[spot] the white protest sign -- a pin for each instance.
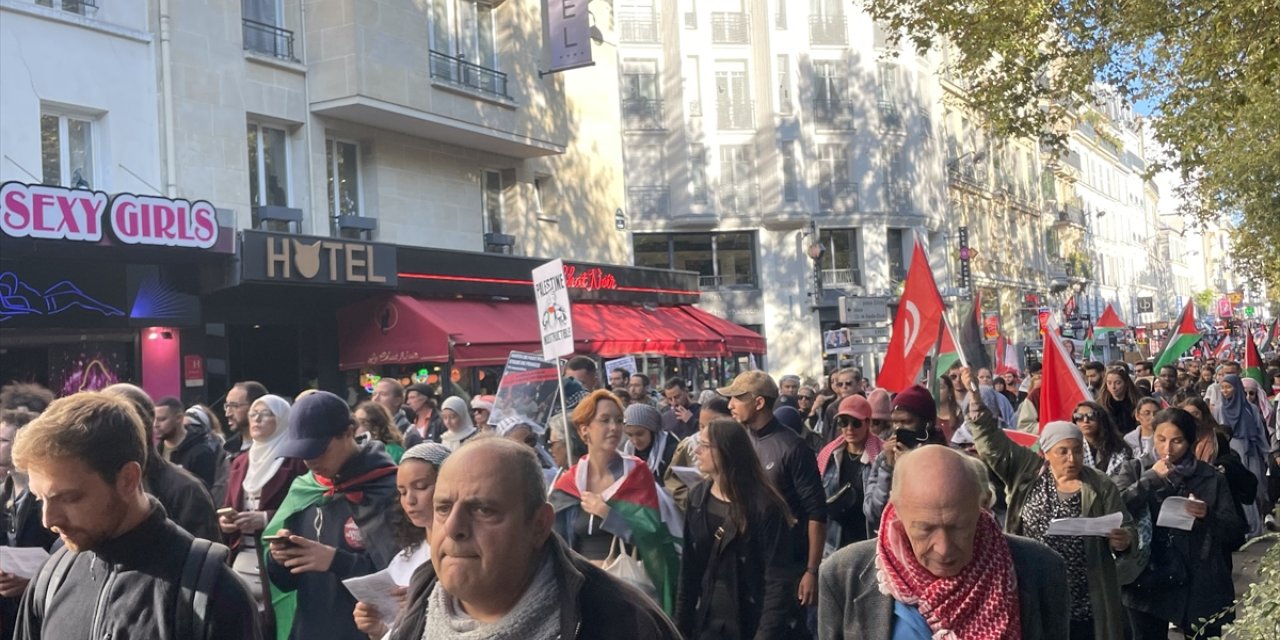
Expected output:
(626, 363)
(554, 321)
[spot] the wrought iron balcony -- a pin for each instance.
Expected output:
(1071, 213)
(739, 198)
(736, 114)
(833, 113)
(966, 174)
(828, 29)
(838, 196)
(471, 76)
(841, 278)
(644, 28)
(267, 39)
(648, 203)
(890, 116)
(642, 113)
(730, 27)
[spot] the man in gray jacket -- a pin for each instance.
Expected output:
(947, 568)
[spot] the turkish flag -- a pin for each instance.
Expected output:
(1061, 387)
(915, 327)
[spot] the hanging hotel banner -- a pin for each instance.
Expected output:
(568, 34)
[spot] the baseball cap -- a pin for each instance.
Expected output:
(756, 383)
(856, 407)
(313, 422)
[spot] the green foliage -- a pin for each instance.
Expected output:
(1204, 300)
(1257, 611)
(1209, 68)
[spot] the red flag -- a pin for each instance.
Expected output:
(1061, 387)
(1224, 349)
(1006, 356)
(915, 326)
(1069, 309)
(1109, 320)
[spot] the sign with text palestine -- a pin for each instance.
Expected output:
(551, 291)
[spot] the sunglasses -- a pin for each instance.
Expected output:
(842, 384)
(849, 423)
(1084, 417)
(478, 410)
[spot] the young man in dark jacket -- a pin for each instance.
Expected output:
(121, 573)
(189, 446)
(500, 570)
(335, 520)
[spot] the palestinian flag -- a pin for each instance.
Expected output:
(1223, 351)
(652, 522)
(970, 338)
(1182, 337)
(948, 354)
(1253, 363)
(1273, 334)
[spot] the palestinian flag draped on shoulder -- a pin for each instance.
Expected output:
(1182, 337)
(651, 514)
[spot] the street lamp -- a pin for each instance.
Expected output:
(815, 250)
(978, 155)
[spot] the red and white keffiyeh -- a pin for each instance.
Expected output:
(979, 604)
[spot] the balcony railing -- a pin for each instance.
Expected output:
(828, 29)
(471, 76)
(739, 198)
(841, 278)
(642, 113)
(640, 27)
(268, 39)
(730, 27)
(890, 116)
(691, 19)
(833, 113)
(837, 196)
(967, 174)
(648, 203)
(736, 114)
(727, 281)
(1071, 213)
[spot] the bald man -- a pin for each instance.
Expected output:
(935, 526)
(498, 570)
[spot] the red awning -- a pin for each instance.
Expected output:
(738, 339)
(402, 330)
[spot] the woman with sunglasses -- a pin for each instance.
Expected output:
(845, 466)
(736, 573)
(1188, 576)
(1056, 483)
(1104, 447)
(373, 422)
(1119, 397)
(586, 499)
(256, 485)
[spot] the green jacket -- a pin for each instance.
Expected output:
(1019, 468)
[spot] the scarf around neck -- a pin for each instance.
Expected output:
(263, 462)
(536, 615)
(981, 603)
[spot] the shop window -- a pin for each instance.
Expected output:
(652, 250)
(841, 259)
(343, 161)
(66, 150)
(78, 7)
(790, 174)
(722, 260)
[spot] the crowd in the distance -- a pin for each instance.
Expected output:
(761, 510)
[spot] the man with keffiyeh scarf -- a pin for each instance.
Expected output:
(941, 568)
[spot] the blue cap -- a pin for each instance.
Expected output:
(314, 421)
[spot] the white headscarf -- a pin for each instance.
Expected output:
(263, 463)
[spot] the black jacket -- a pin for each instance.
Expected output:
(756, 566)
(129, 588)
(593, 604)
(198, 454)
(183, 496)
(23, 518)
(1208, 546)
(793, 468)
(361, 532)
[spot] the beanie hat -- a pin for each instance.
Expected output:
(881, 404)
(916, 401)
(642, 415)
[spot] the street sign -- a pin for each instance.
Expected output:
(868, 332)
(965, 255)
(1146, 304)
(862, 310)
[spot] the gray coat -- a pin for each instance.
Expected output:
(850, 604)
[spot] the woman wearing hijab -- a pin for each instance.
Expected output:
(1188, 575)
(1248, 437)
(1118, 398)
(256, 484)
(1104, 446)
(458, 427)
(646, 438)
(1056, 483)
(736, 569)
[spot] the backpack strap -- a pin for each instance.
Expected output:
(205, 562)
(51, 575)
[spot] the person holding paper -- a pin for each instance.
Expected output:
(1188, 575)
(1057, 484)
(21, 518)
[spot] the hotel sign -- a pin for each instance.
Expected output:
(287, 258)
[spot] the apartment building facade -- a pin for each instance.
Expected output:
(785, 153)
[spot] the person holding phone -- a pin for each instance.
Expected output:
(912, 423)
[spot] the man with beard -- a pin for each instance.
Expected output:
(126, 570)
(188, 447)
(239, 399)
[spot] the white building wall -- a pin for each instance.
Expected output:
(99, 67)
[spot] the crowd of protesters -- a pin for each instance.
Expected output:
(765, 509)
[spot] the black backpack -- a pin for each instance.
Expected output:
(205, 560)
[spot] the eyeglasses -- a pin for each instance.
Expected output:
(805, 397)
(264, 415)
(842, 384)
(1084, 417)
(234, 406)
(478, 410)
